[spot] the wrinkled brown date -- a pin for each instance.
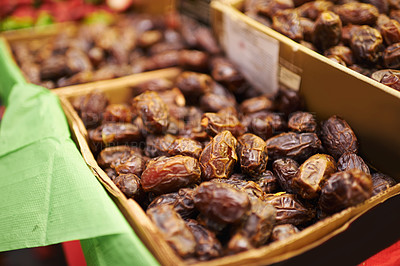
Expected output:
(256, 104)
(343, 52)
(256, 230)
(167, 174)
(327, 30)
(313, 9)
(352, 161)
(207, 244)
(345, 189)
(224, 72)
(265, 124)
(173, 229)
(114, 134)
(302, 122)
(297, 146)
(194, 84)
(182, 201)
(366, 44)
(268, 182)
(312, 174)
(221, 202)
(132, 164)
(283, 231)
(285, 170)
(338, 137)
(214, 123)
(381, 182)
(253, 154)
(357, 13)
(129, 184)
(118, 113)
(153, 111)
(219, 156)
(252, 189)
(90, 108)
(391, 56)
(287, 22)
(289, 209)
(112, 154)
(391, 32)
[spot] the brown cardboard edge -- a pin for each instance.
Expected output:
(134, 214)
(231, 7)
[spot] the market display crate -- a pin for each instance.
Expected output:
(307, 239)
(35, 36)
(328, 88)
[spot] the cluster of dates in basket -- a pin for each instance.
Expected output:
(219, 171)
(132, 44)
(362, 35)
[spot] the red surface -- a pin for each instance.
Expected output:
(73, 253)
(387, 257)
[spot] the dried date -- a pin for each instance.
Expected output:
(268, 182)
(313, 9)
(129, 184)
(312, 174)
(253, 154)
(256, 230)
(221, 202)
(352, 161)
(168, 174)
(219, 156)
(214, 123)
(118, 113)
(265, 124)
(297, 146)
(194, 84)
(256, 104)
(207, 244)
(338, 137)
(283, 231)
(391, 56)
(327, 30)
(133, 164)
(357, 13)
(287, 22)
(153, 111)
(173, 229)
(391, 32)
(381, 182)
(90, 108)
(114, 134)
(345, 189)
(285, 170)
(366, 44)
(302, 122)
(289, 209)
(112, 154)
(224, 72)
(343, 52)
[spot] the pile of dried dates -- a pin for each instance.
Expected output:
(220, 171)
(362, 35)
(132, 44)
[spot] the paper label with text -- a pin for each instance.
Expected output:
(255, 54)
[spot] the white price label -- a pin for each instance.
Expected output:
(255, 54)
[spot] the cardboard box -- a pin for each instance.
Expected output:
(309, 238)
(371, 108)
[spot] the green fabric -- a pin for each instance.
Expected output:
(48, 194)
(112, 250)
